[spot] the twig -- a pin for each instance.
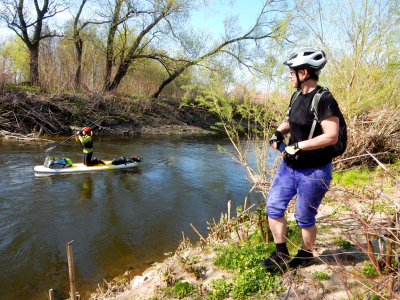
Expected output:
(198, 233)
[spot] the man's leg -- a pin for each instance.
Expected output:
(278, 229)
(312, 186)
(281, 192)
(309, 235)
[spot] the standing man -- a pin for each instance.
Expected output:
(306, 169)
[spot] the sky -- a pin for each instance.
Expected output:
(210, 19)
(247, 10)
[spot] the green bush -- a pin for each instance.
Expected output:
(342, 242)
(369, 271)
(320, 276)
(221, 289)
(182, 289)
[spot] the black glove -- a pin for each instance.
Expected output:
(277, 138)
(292, 151)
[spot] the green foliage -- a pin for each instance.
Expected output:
(182, 289)
(375, 297)
(220, 289)
(369, 270)
(382, 206)
(341, 242)
(22, 87)
(293, 234)
(245, 263)
(16, 55)
(320, 276)
(353, 178)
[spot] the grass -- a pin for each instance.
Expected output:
(321, 276)
(369, 271)
(249, 276)
(353, 178)
(244, 261)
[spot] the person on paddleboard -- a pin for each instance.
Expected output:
(85, 138)
(306, 169)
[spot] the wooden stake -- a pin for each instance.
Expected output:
(389, 247)
(51, 294)
(198, 233)
(229, 210)
(391, 286)
(71, 270)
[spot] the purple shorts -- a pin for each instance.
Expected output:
(310, 186)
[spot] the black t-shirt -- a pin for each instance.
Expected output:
(300, 120)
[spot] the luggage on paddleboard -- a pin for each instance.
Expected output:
(123, 160)
(52, 162)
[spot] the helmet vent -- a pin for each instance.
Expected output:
(293, 56)
(318, 57)
(308, 53)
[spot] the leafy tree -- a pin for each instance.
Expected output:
(165, 25)
(31, 28)
(15, 57)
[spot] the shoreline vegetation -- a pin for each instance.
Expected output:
(357, 250)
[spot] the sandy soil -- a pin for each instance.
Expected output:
(329, 257)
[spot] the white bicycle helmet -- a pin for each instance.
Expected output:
(307, 58)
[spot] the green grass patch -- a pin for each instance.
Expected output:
(221, 289)
(369, 271)
(320, 276)
(182, 289)
(341, 242)
(382, 207)
(357, 178)
(249, 276)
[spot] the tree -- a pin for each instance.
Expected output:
(78, 29)
(167, 25)
(31, 29)
(146, 18)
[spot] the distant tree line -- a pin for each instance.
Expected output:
(140, 47)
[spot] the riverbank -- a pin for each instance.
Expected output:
(349, 255)
(218, 266)
(42, 114)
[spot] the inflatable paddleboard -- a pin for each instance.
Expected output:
(75, 168)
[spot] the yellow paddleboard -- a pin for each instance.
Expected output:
(75, 168)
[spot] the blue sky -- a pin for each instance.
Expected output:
(210, 19)
(247, 10)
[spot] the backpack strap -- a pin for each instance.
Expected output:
(314, 109)
(294, 97)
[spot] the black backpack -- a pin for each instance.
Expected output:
(340, 146)
(119, 161)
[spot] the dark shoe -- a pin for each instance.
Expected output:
(302, 259)
(276, 259)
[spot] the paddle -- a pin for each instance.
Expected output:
(51, 148)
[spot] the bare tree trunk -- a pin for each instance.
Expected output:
(110, 43)
(79, 47)
(171, 78)
(132, 54)
(34, 65)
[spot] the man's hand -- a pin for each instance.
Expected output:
(292, 151)
(277, 138)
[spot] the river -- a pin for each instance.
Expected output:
(117, 219)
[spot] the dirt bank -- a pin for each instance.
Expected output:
(323, 280)
(44, 114)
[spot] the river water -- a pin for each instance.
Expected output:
(117, 219)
